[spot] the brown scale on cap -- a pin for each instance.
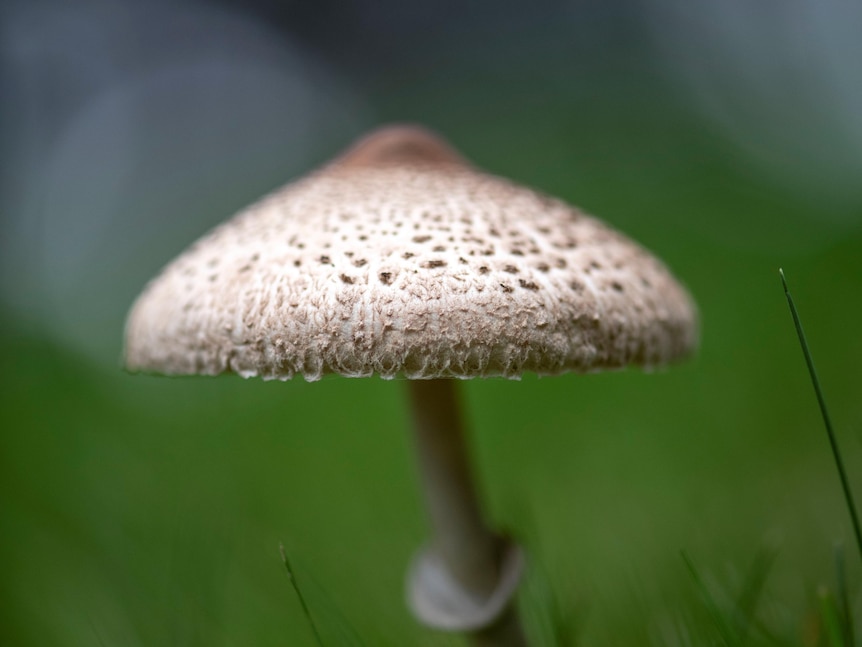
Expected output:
(399, 258)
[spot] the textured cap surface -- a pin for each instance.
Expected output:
(399, 258)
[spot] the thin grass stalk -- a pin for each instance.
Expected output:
(836, 452)
(305, 610)
(843, 595)
(725, 629)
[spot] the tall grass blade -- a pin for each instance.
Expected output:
(96, 632)
(752, 590)
(836, 452)
(843, 596)
(725, 629)
(554, 624)
(335, 625)
(292, 578)
(831, 619)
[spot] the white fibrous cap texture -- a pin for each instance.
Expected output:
(401, 259)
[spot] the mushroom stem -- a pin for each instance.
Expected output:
(473, 556)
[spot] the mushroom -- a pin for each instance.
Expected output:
(401, 259)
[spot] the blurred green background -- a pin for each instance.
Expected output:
(141, 510)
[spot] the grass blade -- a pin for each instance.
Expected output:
(555, 624)
(831, 619)
(292, 578)
(724, 628)
(751, 593)
(843, 596)
(836, 452)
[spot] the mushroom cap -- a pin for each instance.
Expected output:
(399, 258)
